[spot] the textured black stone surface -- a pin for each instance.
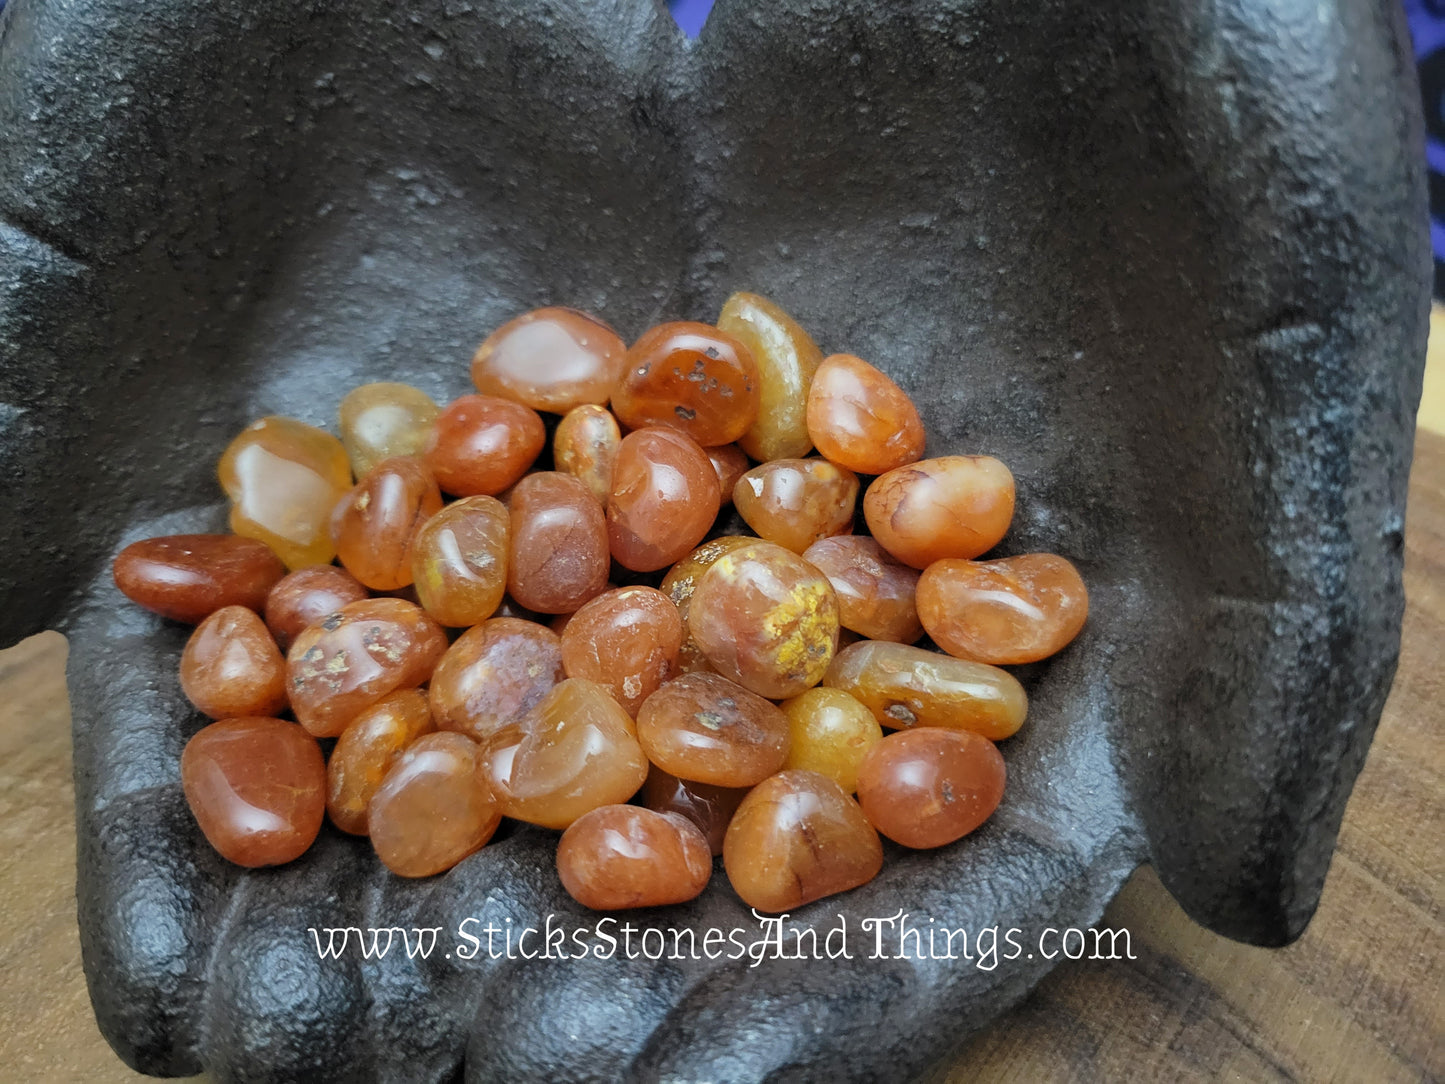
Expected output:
(1165, 259)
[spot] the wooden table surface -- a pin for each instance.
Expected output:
(1360, 997)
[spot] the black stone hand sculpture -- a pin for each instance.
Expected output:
(1165, 259)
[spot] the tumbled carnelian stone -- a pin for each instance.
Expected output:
(829, 732)
(557, 555)
(306, 597)
(585, 446)
(690, 377)
(355, 657)
(231, 666)
(551, 359)
(876, 592)
(928, 787)
(481, 445)
(434, 807)
(706, 728)
(730, 463)
(681, 581)
(459, 561)
(257, 788)
(860, 419)
(284, 477)
(366, 750)
(621, 856)
(664, 499)
(953, 506)
(905, 686)
(493, 674)
(786, 357)
(795, 502)
(766, 619)
(188, 576)
(373, 525)
(379, 421)
(1015, 610)
(574, 751)
(626, 640)
(710, 808)
(798, 837)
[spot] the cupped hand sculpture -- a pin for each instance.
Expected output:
(1166, 260)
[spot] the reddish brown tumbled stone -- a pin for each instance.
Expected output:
(494, 674)
(626, 640)
(664, 499)
(306, 597)
(860, 419)
(730, 463)
(876, 593)
(710, 808)
(366, 750)
(952, 506)
(373, 525)
(795, 502)
(231, 666)
(622, 856)
(690, 377)
(557, 555)
(706, 728)
(187, 577)
(550, 359)
(928, 787)
(585, 446)
(459, 561)
(481, 445)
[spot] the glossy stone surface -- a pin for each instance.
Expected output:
(627, 640)
(257, 788)
(664, 499)
(305, 597)
(928, 787)
(705, 728)
(434, 807)
(373, 526)
(283, 478)
(585, 446)
(730, 463)
(551, 359)
(480, 444)
(366, 750)
(861, 419)
(355, 657)
(830, 732)
(765, 618)
(796, 502)
(1014, 610)
(187, 576)
(952, 506)
(231, 666)
(575, 750)
(905, 686)
(876, 592)
(382, 420)
(623, 856)
(710, 808)
(493, 674)
(786, 357)
(557, 556)
(679, 585)
(689, 377)
(459, 561)
(798, 837)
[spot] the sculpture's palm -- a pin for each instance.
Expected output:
(1153, 260)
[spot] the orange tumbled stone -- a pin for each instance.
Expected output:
(905, 686)
(876, 592)
(257, 788)
(373, 525)
(664, 499)
(481, 445)
(786, 357)
(830, 733)
(550, 359)
(307, 596)
(690, 377)
(929, 787)
(434, 807)
(284, 477)
(706, 728)
(953, 506)
(557, 556)
(232, 666)
(357, 656)
(860, 419)
(585, 446)
(1015, 610)
(622, 856)
(798, 837)
(627, 640)
(379, 421)
(795, 502)
(710, 808)
(187, 577)
(679, 585)
(459, 561)
(730, 463)
(766, 619)
(366, 750)
(493, 674)
(574, 751)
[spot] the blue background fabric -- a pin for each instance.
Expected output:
(1427, 27)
